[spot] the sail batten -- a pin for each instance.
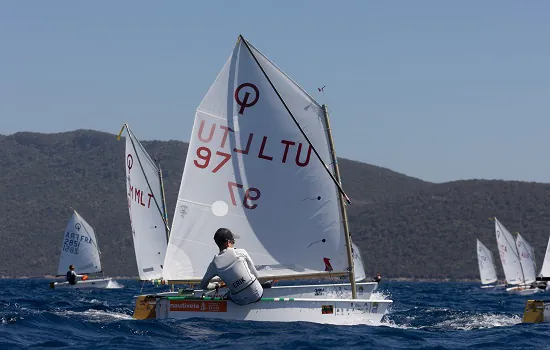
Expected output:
(79, 247)
(254, 172)
(147, 216)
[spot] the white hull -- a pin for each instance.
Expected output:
(522, 290)
(311, 291)
(97, 283)
(328, 311)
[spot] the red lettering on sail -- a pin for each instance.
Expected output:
(287, 145)
(247, 149)
(201, 127)
(226, 157)
(149, 203)
(226, 131)
(300, 152)
(204, 154)
(250, 194)
(262, 147)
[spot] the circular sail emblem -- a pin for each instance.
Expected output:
(498, 233)
(244, 102)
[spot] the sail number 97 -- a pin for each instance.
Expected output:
(205, 155)
(250, 195)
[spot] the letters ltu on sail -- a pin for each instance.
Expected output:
(147, 210)
(250, 169)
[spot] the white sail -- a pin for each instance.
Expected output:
(545, 270)
(79, 248)
(487, 270)
(250, 169)
(508, 255)
(145, 204)
(527, 259)
(358, 265)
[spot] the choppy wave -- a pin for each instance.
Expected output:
(424, 315)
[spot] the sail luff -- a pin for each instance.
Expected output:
(343, 211)
(295, 121)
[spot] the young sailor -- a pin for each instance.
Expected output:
(235, 268)
(72, 276)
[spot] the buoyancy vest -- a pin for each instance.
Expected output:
(233, 271)
(71, 277)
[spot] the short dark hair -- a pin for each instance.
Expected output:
(223, 235)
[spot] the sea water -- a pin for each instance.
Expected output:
(423, 316)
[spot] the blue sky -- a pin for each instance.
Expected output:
(434, 89)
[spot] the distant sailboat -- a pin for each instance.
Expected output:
(79, 248)
(544, 274)
(511, 264)
(487, 271)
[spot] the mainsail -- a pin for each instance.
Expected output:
(527, 259)
(79, 247)
(545, 270)
(250, 169)
(146, 207)
(486, 264)
(508, 255)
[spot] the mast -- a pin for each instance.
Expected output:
(341, 202)
(164, 214)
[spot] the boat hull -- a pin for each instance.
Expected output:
(327, 311)
(97, 283)
(523, 290)
(312, 291)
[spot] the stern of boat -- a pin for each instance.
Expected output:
(145, 307)
(536, 311)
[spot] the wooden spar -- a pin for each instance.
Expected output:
(341, 202)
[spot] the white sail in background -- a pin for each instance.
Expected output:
(147, 212)
(79, 248)
(508, 255)
(487, 271)
(358, 265)
(527, 259)
(250, 169)
(545, 270)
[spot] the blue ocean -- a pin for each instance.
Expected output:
(424, 316)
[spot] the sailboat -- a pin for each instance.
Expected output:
(150, 232)
(511, 264)
(79, 248)
(257, 164)
(544, 274)
(487, 271)
(147, 208)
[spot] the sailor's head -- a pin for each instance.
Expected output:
(224, 238)
(378, 274)
(71, 267)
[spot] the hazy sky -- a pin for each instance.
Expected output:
(438, 90)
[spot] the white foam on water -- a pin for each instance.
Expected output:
(114, 285)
